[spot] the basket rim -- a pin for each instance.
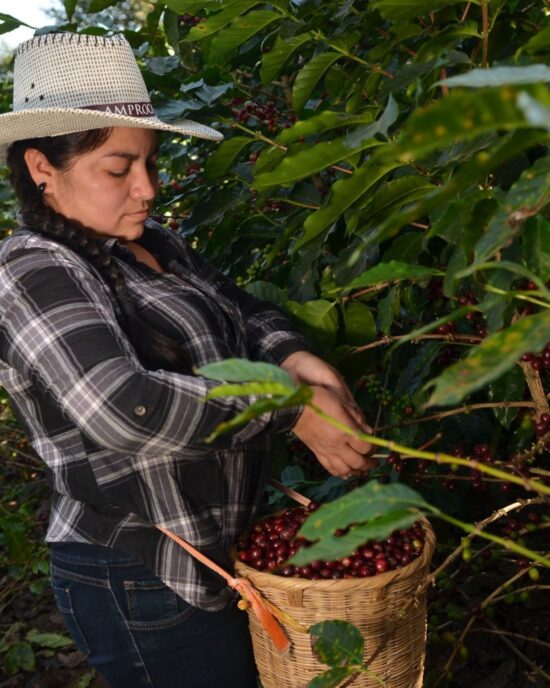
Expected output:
(265, 579)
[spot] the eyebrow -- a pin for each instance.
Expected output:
(130, 156)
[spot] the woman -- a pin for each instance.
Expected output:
(104, 316)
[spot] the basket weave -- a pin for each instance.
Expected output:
(395, 642)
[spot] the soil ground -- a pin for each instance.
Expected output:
(492, 662)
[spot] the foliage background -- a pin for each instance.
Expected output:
(385, 179)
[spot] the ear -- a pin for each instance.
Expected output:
(40, 168)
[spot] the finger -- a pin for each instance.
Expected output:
(360, 446)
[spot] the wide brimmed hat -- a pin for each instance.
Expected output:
(66, 82)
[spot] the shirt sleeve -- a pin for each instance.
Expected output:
(58, 329)
(270, 334)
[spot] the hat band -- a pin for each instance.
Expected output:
(144, 109)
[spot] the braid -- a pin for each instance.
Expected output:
(154, 349)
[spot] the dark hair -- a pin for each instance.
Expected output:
(155, 349)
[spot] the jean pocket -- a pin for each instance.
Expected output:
(152, 605)
(63, 599)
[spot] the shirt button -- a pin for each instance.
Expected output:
(140, 410)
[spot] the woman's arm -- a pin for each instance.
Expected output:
(271, 337)
(58, 329)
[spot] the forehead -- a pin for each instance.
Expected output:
(129, 140)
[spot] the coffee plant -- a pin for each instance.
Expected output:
(385, 179)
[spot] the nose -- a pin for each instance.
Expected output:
(144, 184)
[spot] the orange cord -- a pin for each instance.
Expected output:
(247, 591)
(264, 610)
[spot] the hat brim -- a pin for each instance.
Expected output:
(40, 122)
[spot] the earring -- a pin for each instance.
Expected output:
(41, 187)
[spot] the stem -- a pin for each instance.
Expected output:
(536, 389)
(485, 34)
(461, 409)
(262, 137)
(374, 67)
(439, 458)
(516, 295)
(368, 290)
(519, 636)
(520, 654)
(480, 526)
(486, 602)
(465, 14)
(506, 543)
(451, 339)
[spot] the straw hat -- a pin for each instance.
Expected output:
(66, 82)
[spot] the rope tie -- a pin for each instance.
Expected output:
(296, 496)
(268, 614)
(260, 606)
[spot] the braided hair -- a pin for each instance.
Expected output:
(155, 349)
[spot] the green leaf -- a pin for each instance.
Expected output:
(50, 640)
(243, 370)
(365, 503)
(226, 43)
(417, 368)
(359, 324)
(214, 22)
(324, 121)
(317, 315)
(394, 194)
(85, 680)
(405, 248)
(540, 42)
(460, 116)
(337, 643)
(491, 359)
(388, 308)
(331, 678)
(391, 272)
(267, 291)
(16, 540)
(517, 268)
(70, 6)
(19, 656)
(271, 388)
(508, 387)
(343, 194)
(525, 198)
(223, 158)
(309, 76)
(310, 159)
(499, 76)
(9, 23)
(482, 164)
(397, 10)
(301, 396)
(535, 240)
(330, 547)
(274, 60)
(99, 5)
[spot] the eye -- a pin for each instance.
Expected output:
(118, 174)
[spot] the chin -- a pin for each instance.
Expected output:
(133, 233)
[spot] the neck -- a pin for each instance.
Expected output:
(144, 256)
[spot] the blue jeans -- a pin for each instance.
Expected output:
(137, 633)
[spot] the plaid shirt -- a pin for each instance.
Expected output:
(124, 445)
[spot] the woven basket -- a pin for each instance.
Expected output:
(395, 642)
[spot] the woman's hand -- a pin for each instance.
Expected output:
(340, 453)
(308, 369)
